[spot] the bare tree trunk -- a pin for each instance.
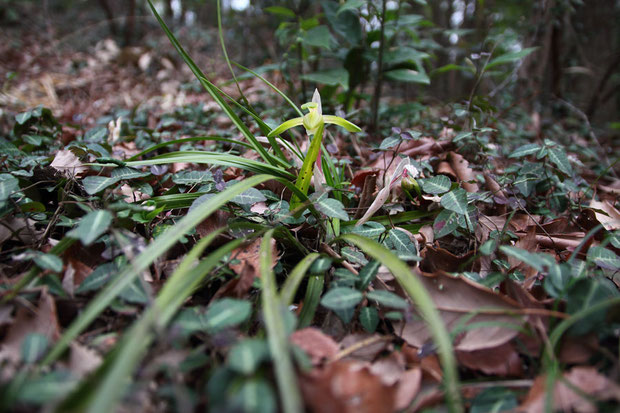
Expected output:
(107, 9)
(130, 22)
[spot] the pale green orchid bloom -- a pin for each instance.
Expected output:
(314, 119)
(314, 122)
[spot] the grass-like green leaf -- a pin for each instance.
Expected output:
(311, 299)
(273, 312)
(214, 93)
(306, 171)
(415, 289)
(290, 286)
(215, 158)
(146, 258)
(186, 140)
(102, 390)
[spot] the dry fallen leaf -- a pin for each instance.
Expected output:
(315, 343)
(587, 380)
(458, 297)
(346, 387)
(611, 216)
(42, 320)
(247, 268)
(502, 361)
(463, 172)
(68, 164)
(83, 360)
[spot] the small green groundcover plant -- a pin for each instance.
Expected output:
(244, 379)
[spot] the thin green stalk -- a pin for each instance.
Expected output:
(273, 311)
(306, 171)
(271, 85)
(223, 44)
(421, 298)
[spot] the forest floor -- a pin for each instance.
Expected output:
(112, 176)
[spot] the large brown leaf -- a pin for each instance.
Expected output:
(587, 380)
(347, 387)
(457, 298)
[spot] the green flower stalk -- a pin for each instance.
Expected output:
(314, 123)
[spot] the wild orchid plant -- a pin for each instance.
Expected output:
(314, 122)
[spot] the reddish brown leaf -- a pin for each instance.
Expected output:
(247, 268)
(501, 361)
(440, 259)
(463, 172)
(578, 350)
(408, 387)
(347, 387)
(458, 297)
(587, 379)
(315, 343)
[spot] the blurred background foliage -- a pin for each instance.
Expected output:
(405, 53)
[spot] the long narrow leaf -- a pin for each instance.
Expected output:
(289, 289)
(265, 129)
(273, 310)
(271, 85)
(305, 174)
(215, 158)
(185, 140)
(101, 392)
(415, 289)
(146, 258)
(214, 94)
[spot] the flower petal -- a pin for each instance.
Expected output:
(316, 98)
(291, 123)
(336, 120)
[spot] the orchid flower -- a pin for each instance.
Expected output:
(314, 119)
(404, 170)
(314, 122)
